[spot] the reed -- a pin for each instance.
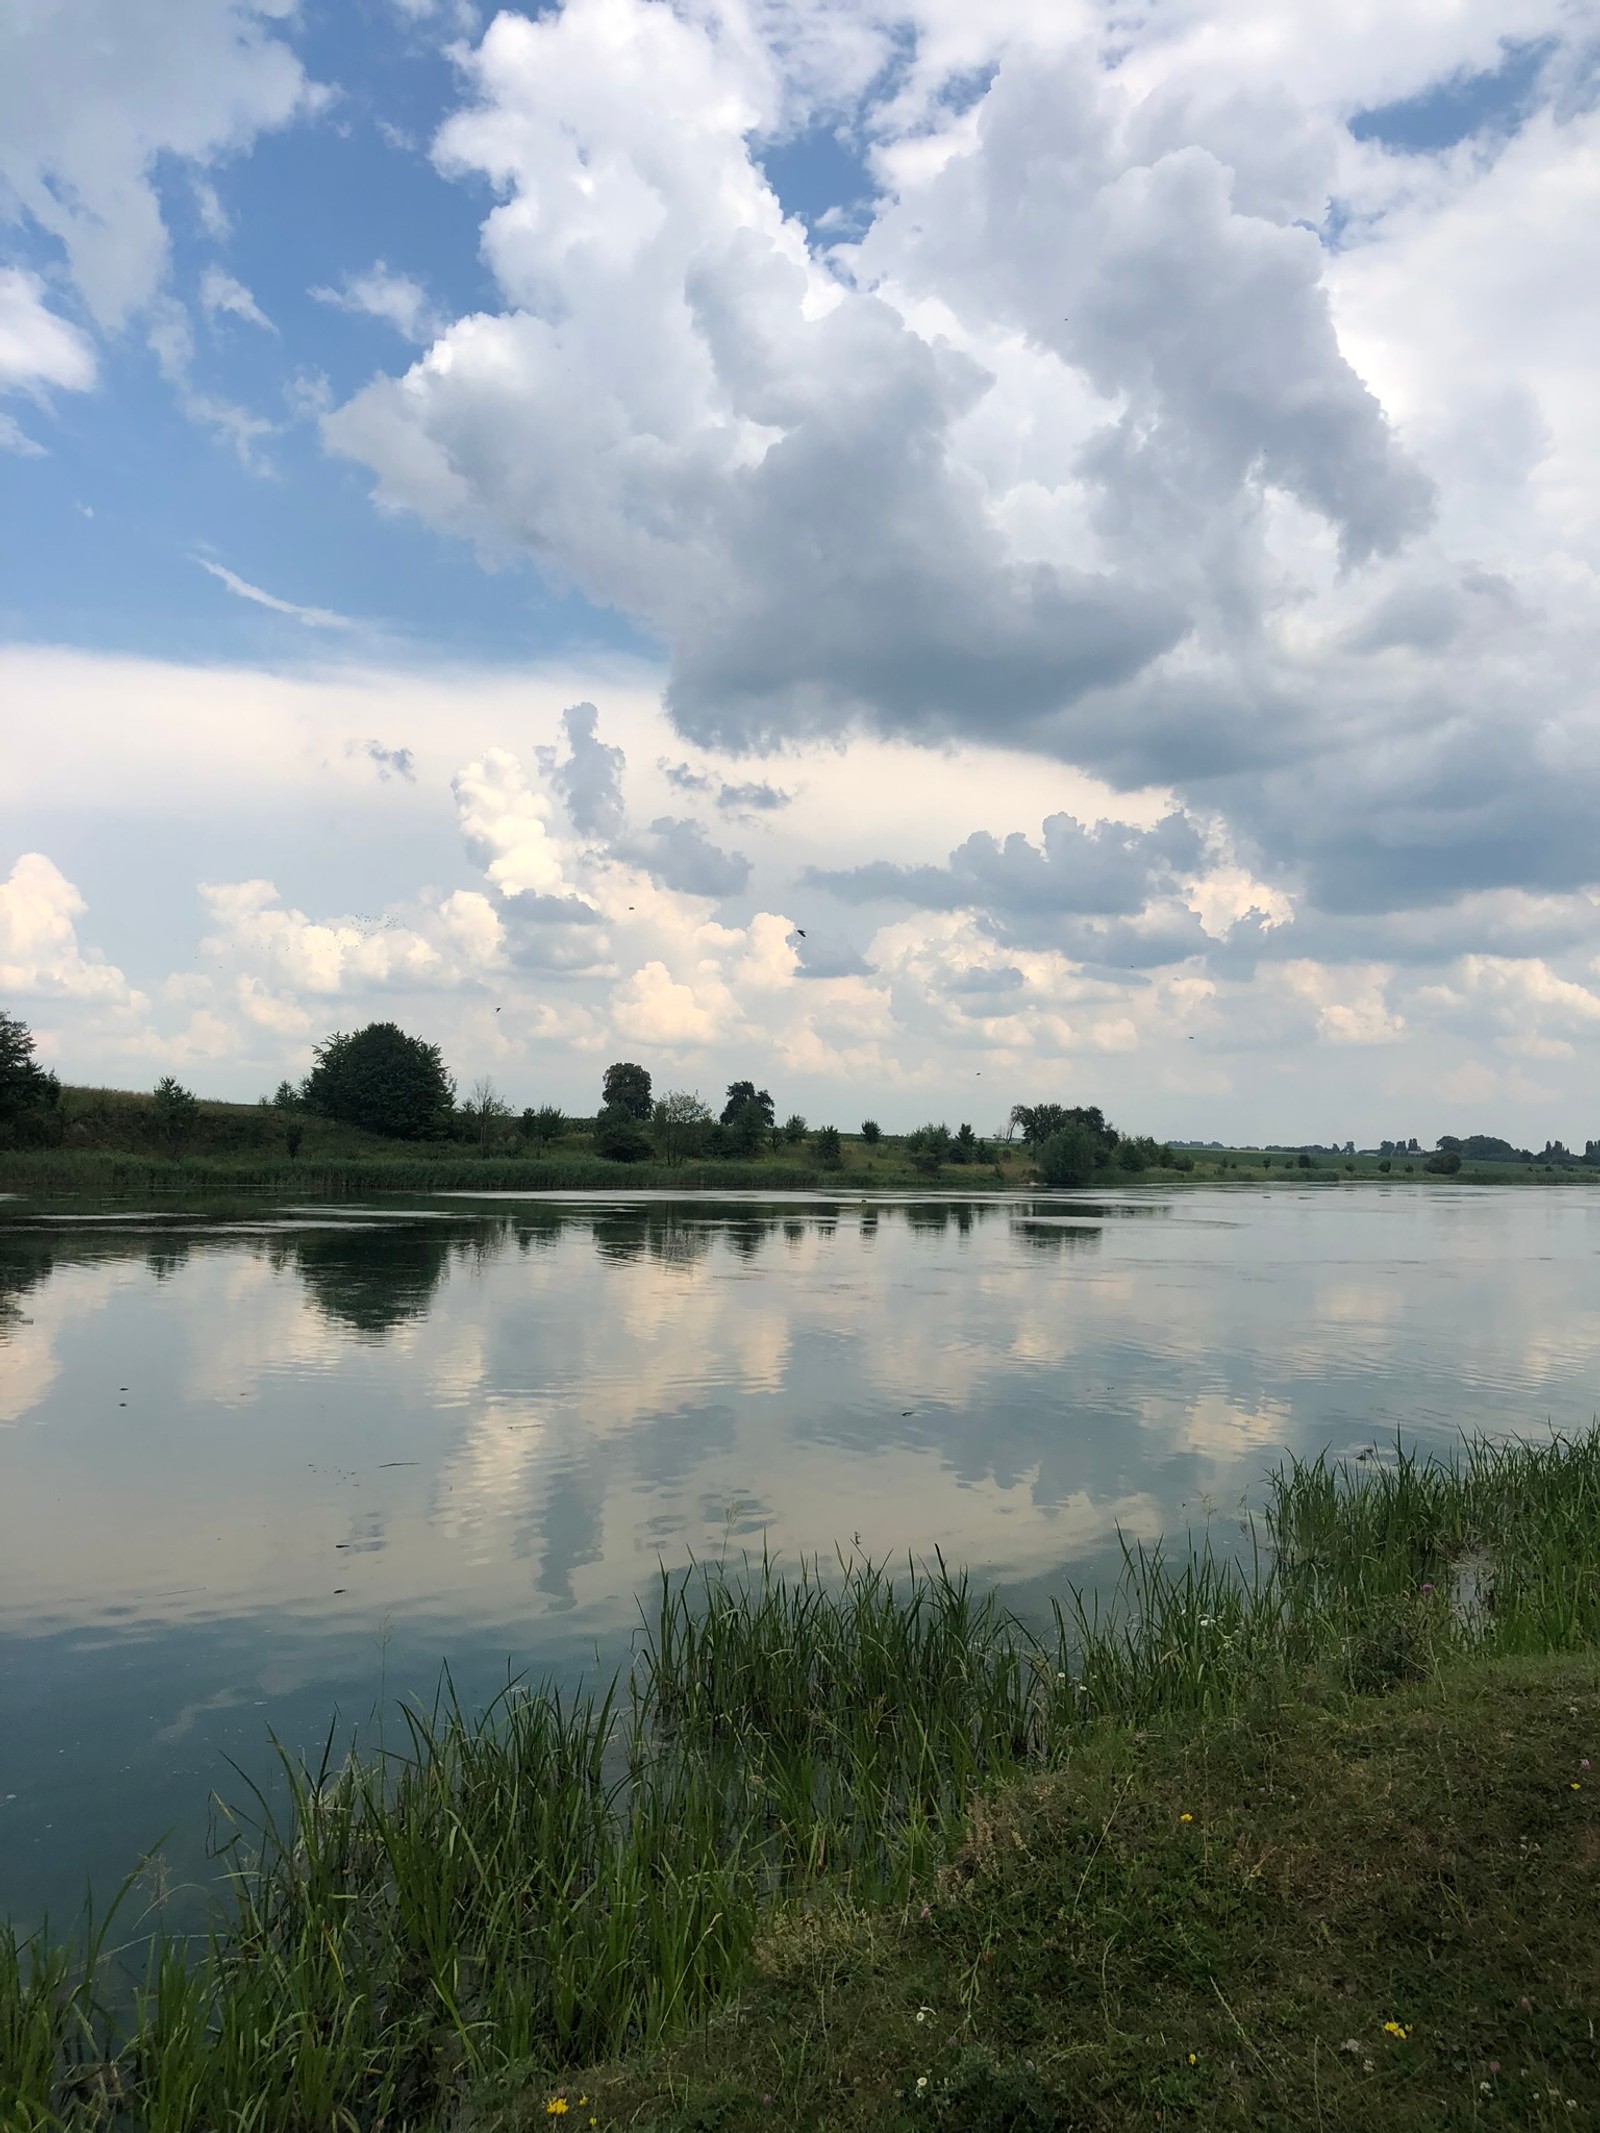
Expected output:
(551, 1882)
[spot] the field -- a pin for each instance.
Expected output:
(1306, 1838)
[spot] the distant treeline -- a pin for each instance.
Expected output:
(380, 1086)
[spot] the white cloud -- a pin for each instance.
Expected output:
(315, 618)
(221, 292)
(397, 299)
(471, 886)
(38, 348)
(15, 439)
(256, 934)
(40, 957)
(94, 92)
(1087, 445)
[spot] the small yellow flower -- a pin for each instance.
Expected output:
(1186, 1818)
(1396, 2029)
(557, 2107)
(1194, 2058)
(1576, 1786)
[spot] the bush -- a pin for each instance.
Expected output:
(871, 1132)
(829, 1149)
(929, 1149)
(966, 1147)
(383, 1081)
(1069, 1156)
(1443, 1165)
(794, 1129)
(620, 1138)
(543, 1125)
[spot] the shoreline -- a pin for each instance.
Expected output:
(886, 1795)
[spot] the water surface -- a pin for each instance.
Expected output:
(263, 1464)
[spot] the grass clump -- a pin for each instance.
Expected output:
(828, 1765)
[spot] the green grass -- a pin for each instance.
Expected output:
(819, 1795)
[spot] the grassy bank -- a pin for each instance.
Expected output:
(837, 1837)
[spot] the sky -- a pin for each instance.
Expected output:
(928, 556)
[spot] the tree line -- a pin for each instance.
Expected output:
(387, 1082)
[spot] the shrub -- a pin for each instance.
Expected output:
(929, 1148)
(1443, 1165)
(620, 1138)
(871, 1132)
(543, 1125)
(794, 1129)
(1069, 1156)
(829, 1149)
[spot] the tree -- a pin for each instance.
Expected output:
(1445, 1164)
(828, 1146)
(486, 1109)
(176, 1110)
(1038, 1122)
(1070, 1155)
(678, 1125)
(966, 1147)
(794, 1129)
(26, 1088)
(285, 1097)
(620, 1138)
(626, 1087)
(741, 1093)
(380, 1079)
(871, 1132)
(747, 1128)
(546, 1124)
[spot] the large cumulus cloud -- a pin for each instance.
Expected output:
(1151, 421)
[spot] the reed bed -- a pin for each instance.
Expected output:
(549, 1882)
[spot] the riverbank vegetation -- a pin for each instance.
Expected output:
(1302, 1835)
(379, 1112)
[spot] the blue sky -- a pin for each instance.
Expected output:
(1170, 633)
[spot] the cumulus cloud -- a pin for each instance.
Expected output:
(589, 779)
(1110, 868)
(1155, 420)
(40, 956)
(283, 952)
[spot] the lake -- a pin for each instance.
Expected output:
(273, 1466)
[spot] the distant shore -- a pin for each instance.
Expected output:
(114, 1142)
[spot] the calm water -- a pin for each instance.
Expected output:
(258, 1467)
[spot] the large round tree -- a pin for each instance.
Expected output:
(384, 1081)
